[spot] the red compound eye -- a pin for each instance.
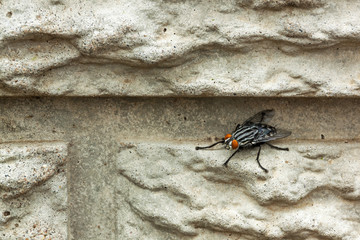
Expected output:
(234, 144)
(227, 136)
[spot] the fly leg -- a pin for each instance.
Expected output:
(262, 117)
(198, 148)
(257, 159)
(278, 148)
(225, 163)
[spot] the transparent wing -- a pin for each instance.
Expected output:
(261, 117)
(280, 133)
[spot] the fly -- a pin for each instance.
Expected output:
(254, 132)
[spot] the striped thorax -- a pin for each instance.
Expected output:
(252, 133)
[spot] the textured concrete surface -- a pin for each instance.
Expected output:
(179, 74)
(33, 190)
(165, 189)
(189, 193)
(186, 48)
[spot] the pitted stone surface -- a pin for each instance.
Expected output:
(186, 48)
(164, 188)
(179, 74)
(33, 190)
(183, 192)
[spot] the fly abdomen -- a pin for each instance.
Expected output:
(264, 132)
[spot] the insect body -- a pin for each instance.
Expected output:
(253, 133)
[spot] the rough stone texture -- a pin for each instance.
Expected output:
(132, 170)
(97, 130)
(33, 195)
(184, 192)
(180, 48)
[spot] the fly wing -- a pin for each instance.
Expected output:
(261, 117)
(280, 133)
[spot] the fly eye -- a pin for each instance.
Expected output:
(234, 144)
(227, 136)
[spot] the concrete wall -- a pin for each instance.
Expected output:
(103, 103)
